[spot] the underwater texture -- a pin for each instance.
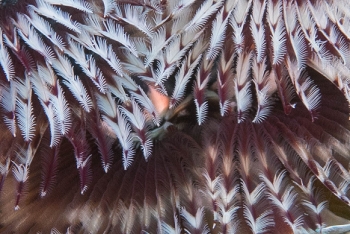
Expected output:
(165, 116)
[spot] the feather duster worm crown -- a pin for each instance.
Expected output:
(185, 116)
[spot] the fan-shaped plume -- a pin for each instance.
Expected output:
(153, 116)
